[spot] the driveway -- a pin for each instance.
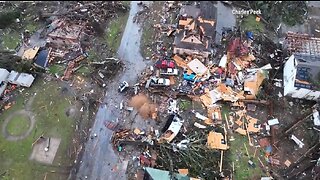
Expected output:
(99, 160)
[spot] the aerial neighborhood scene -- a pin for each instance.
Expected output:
(159, 90)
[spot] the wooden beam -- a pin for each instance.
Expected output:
(250, 143)
(297, 123)
(226, 118)
(221, 159)
(306, 153)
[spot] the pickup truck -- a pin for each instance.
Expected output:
(157, 82)
(169, 72)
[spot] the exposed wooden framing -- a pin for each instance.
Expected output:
(221, 159)
(226, 118)
(255, 151)
(297, 123)
(250, 143)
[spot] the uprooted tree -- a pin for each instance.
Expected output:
(10, 61)
(7, 18)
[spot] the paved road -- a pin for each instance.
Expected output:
(99, 161)
(225, 18)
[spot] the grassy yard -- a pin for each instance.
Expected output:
(55, 68)
(18, 125)
(149, 31)
(237, 154)
(147, 39)
(84, 71)
(32, 27)
(114, 32)
(49, 107)
(185, 105)
(240, 158)
(10, 40)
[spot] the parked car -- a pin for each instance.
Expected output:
(158, 82)
(190, 77)
(169, 72)
(123, 86)
(162, 64)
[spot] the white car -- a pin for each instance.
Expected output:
(169, 72)
(158, 82)
(124, 85)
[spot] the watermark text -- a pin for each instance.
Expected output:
(246, 12)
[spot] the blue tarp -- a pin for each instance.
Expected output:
(249, 35)
(42, 59)
(268, 149)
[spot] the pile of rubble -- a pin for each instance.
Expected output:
(64, 40)
(234, 79)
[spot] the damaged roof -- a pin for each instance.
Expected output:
(305, 44)
(196, 34)
(157, 174)
(308, 69)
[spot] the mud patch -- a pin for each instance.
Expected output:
(71, 112)
(143, 105)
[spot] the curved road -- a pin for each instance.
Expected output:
(99, 161)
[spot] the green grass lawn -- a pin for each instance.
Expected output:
(149, 31)
(147, 39)
(84, 70)
(185, 105)
(32, 27)
(55, 68)
(10, 40)
(18, 125)
(49, 107)
(240, 158)
(114, 32)
(238, 155)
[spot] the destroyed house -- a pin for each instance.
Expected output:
(301, 73)
(194, 36)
